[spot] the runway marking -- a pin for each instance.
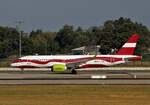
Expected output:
(98, 76)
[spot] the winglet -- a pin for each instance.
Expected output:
(88, 53)
(94, 57)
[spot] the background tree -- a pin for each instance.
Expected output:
(9, 41)
(44, 43)
(65, 37)
(112, 35)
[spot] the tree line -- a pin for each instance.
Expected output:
(112, 35)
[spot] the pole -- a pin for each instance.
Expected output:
(18, 23)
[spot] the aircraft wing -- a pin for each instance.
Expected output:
(77, 63)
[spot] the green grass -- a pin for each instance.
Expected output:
(75, 95)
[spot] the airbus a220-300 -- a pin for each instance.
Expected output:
(65, 63)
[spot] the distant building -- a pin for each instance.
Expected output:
(148, 49)
(92, 50)
(78, 51)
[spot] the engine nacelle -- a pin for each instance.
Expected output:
(59, 68)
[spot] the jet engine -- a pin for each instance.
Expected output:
(59, 68)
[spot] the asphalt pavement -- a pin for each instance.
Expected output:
(84, 77)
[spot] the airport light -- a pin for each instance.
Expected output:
(18, 23)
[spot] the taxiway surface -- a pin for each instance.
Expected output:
(84, 77)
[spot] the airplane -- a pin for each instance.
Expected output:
(65, 63)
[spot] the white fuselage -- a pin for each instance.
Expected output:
(49, 61)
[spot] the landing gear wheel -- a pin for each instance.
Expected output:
(52, 70)
(74, 71)
(22, 70)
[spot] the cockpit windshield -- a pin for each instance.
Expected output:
(17, 60)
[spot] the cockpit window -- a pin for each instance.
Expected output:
(18, 60)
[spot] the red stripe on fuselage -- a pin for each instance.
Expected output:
(83, 66)
(92, 66)
(27, 66)
(108, 59)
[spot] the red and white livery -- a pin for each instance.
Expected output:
(71, 62)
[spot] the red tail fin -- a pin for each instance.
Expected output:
(129, 47)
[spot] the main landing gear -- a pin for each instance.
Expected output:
(74, 71)
(22, 70)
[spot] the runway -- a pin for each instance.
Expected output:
(84, 77)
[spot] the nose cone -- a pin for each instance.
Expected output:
(13, 64)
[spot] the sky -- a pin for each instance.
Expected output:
(51, 15)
